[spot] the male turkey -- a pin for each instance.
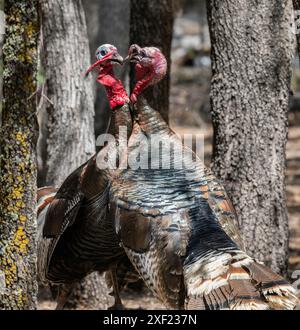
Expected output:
(178, 226)
(76, 229)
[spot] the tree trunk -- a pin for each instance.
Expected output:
(2, 32)
(18, 288)
(252, 48)
(296, 4)
(151, 24)
(70, 108)
(70, 139)
(92, 293)
(108, 23)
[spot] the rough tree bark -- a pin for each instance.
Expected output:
(70, 111)
(70, 139)
(151, 24)
(108, 22)
(2, 32)
(18, 137)
(296, 4)
(252, 48)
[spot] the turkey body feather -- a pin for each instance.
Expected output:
(76, 232)
(180, 231)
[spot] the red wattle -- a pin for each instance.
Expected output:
(133, 98)
(116, 93)
(144, 78)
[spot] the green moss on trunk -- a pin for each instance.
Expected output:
(18, 158)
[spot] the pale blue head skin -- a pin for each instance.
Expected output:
(103, 50)
(106, 56)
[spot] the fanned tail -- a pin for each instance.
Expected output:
(278, 292)
(237, 282)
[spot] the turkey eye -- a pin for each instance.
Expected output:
(142, 53)
(103, 52)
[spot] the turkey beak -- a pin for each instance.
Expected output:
(111, 57)
(133, 54)
(116, 57)
(128, 58)
(132, 58)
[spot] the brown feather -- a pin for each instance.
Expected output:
(41, 192)
(250, 286)
(278, 292)
(60, 213)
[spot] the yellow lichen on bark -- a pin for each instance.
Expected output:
(16, 211)
(18, 159)
(20, 241)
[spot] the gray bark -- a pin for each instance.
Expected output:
(18, 287)
(70, 136)
(296, 4)
(108, 22)
(92, 293)
(252, 46)
(70, 110)
(151, 24)
(1, 59)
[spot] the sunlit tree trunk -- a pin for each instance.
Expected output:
(70, 136)
(18, 138)
(296, 4)
(252, 47)
(70, 111)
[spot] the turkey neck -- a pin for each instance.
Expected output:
(149, 120)
(95, 180)
(118, 99)
(120, 117)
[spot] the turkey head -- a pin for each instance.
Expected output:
(106, 57)
(150, 67)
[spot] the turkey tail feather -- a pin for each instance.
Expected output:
(245, 285)
(218, 275)
(278, 293)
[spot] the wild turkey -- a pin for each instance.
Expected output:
(178, 226)
(76, 231)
